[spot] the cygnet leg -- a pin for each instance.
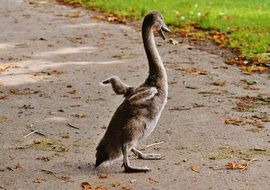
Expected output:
(143, 156)
(128, 168)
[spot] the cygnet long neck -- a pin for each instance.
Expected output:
(157, 74)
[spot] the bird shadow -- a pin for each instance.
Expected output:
(90, 168)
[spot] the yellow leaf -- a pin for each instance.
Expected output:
(3, 68)
(195, 168)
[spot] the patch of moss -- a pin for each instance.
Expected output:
(48, 145)
(229, 152)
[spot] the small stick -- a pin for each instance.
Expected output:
(154, 144)
(30, 133)
(39, 133)
(72, 126)
(252, 160)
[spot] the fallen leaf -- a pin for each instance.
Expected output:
(10, 168)
(3, 119)
(253, 68)
(240, 122)
(75, 105)
(49, 172)
(173, 41)
(37, 141)
(53, 72)
(64, 178)
(65, 136)
(39, 180)
(219, 37)
(26, 107)
(25, 91)
(234, 61)
(49, 145)
(233, 121)
(209, 93)
(179, 108)
(132, 181)
(2, 97)
(126, 188)
(86, 186)
(117, 184)
(103, 175)
(219, 83)
(238, 166)
(193, 71)
(4, 68)
(42, 39)
(44, 158)
(197, 105)
(250, 82)
(72, 92)
(195, 168)
(18, 166)
(252, 87)
(79, 115)
(246, 103)
(74, 15)
(103, 127)
(98, 17)
(152, 181)
(114, 18)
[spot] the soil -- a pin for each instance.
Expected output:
(214, 131)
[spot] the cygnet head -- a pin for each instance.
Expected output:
(156, 21)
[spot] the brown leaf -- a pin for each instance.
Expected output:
(126, 188)
(79, 115)
(173, 41)
(240, 122)
(74, 15)
(234, 61)
(210, 93)
(2, 97)
(72, 92)
(64, 178)
(3, 119)
(219, 83)
(53, 72)
(253, 68)
(117, 184)
(39, 180)
(103, 175)
(151, 180)
(37, 141)
(4, 68)
(86, 186)
(98, 17)
(18, 166)
(65, 136)
(238, 166)
(195, 168)
(193, 71)
(232, 121)
(44, 158)
(25, 91)
(179, 108)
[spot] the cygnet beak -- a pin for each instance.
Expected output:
(164, 28)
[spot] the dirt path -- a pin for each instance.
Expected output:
(52, 59)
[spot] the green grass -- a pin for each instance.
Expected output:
(246, 23)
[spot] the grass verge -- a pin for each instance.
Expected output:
(243, 25)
